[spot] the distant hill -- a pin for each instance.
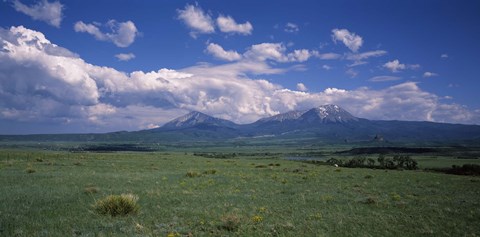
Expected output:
(324, 123)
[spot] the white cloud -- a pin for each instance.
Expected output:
(197, 20)
(359, 58)
(218, 52)
(301, 87)
(228, 25)
(349, 39)
(50, 12)
(291, 27)
(366, 55)
(122, 33)
(352, 73)
(328, 56)
(430, 74)
(444, 56)
(394, 66)
(59, 90)
(413, 66)
(125, 56)
(326, 67)
(384, 78)
(299, 55)
(277, 52)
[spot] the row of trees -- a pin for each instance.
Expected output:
(397, 162)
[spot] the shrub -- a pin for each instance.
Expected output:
(381, 160)
(117, 205)
(370, 200)
(371, 162)
(356, 162)
(334, 161)
(192, 174)
(210, 172)
(411, 164)
(466, 169)
(91, 189)
(230, 222)
(30, 170)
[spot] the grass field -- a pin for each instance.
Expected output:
(45, 193)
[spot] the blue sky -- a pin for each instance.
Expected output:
(81, 66)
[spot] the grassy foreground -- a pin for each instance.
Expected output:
(53, 194)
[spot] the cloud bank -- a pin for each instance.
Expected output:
(44, 84)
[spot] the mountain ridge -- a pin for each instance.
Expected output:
(326, 123)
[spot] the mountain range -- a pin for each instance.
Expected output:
(326, 123)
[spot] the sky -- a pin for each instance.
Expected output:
(103, 66)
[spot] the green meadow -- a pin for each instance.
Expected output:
(53, 193)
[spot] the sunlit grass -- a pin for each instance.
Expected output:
(226, 197)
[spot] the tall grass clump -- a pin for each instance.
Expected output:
(117, 205)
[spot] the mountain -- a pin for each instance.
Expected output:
(327, 123)
(196, 119)
(327, 114)
(292, 115)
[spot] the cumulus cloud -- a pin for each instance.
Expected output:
(291, 27)
(218, 52)
(49, 12)
(394, 66)
(60, 90)
(429, 74)
(228, 25)
(122, 33)
(349, 39)
(125, 56)
(277, 52)
(301, 87)
(326, 67)
(197, 20)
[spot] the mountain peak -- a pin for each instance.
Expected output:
(328, 114)
(195, 118)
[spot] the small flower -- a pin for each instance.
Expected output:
(171, 234)
(262, 209)
(257, 219)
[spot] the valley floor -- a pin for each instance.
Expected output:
(47, 193)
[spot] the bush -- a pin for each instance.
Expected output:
(91, 189)
(466, 169)
(334, 161)
(230, 222)
(210, 171)
(356, 162)
(371, 162)
(192, 174)
(117, 205)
